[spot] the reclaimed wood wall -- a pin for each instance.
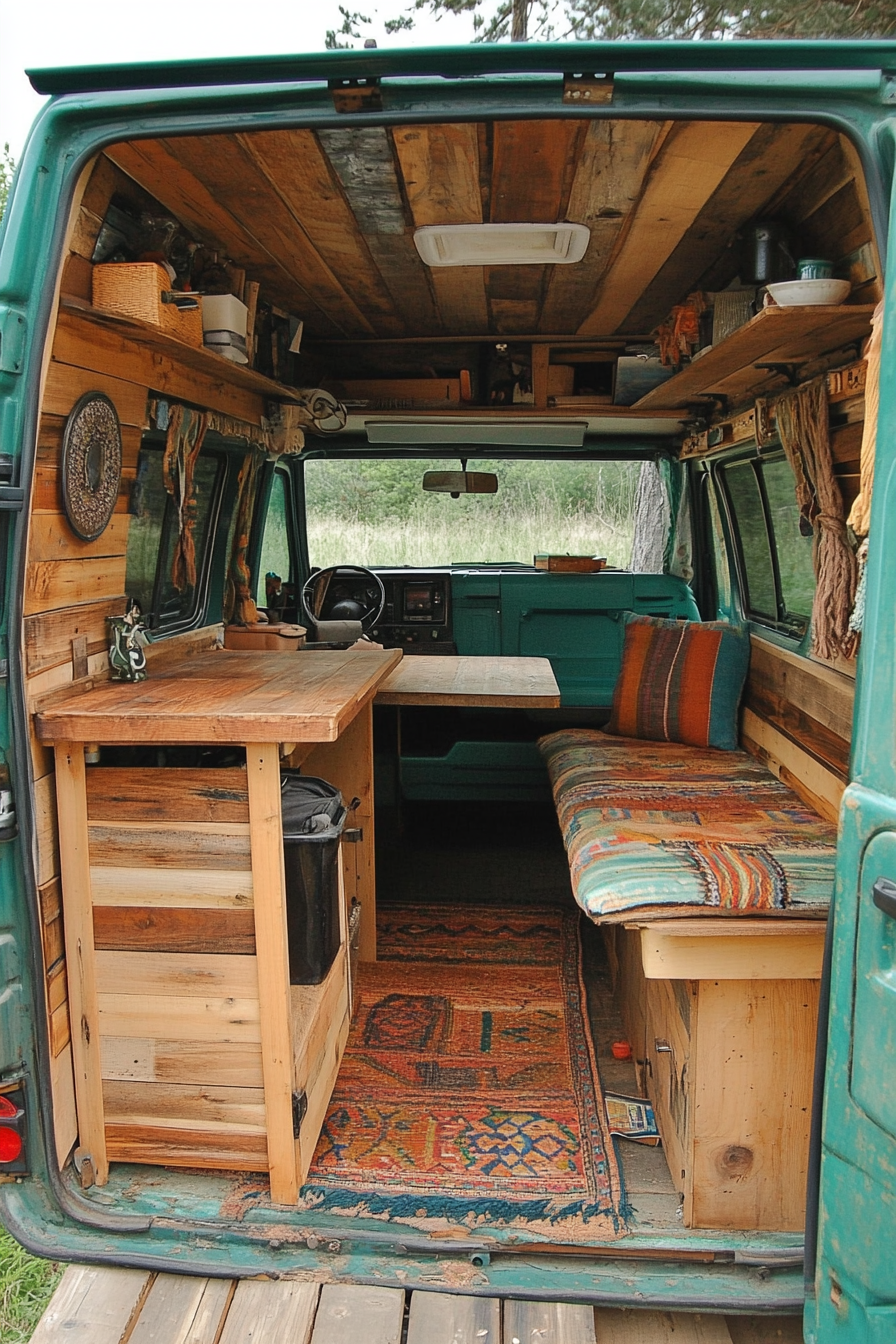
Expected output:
(72, 585)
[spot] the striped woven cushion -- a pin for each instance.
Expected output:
(680, 681)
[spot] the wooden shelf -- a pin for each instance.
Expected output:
(775, 335)
(194, 357)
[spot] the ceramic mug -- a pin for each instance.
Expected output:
(814, 268)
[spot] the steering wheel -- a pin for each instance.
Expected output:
(344, 593)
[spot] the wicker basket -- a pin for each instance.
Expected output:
(134, 289)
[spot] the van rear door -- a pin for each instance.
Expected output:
(855, 1281)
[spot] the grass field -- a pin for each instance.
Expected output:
(26, 1286)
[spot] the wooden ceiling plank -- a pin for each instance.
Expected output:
(531, 162)
(362, 159)
(152, 165)
(532, 173)
(692, 163)
(299, 171)
(222, 164)
(440, 171)
(612, 165)
(757, 174)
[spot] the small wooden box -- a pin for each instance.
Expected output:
(277, 637)
(570, 564)
(135, 289)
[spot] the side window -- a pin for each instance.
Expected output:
(775, 558)
(153, 536)
(274, 556)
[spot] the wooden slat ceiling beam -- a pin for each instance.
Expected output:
(325, 221)
(299, 170)
(221, 163)
(612, 164)
(362, 159)
(758, 172)
(152, 164)
(533, 165)
(694, 161)
(440, 168)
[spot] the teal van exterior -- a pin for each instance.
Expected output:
(841, 1275)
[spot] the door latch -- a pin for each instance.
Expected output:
(883, 893)
(299, 1110)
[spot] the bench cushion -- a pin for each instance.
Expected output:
(656, 829)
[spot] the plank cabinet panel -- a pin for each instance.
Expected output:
(150, 1059)
(167, 795)
(173, 929)
(167, 1145)
(181, 1017)
(203, 1105)
(118, 844)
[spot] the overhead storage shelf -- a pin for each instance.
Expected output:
(791, 336)
(193, 357)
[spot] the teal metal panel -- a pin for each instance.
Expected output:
(476, 613)
(478, 771)
(855, 1280)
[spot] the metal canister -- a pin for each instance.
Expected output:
(771, 257)
(814, 268)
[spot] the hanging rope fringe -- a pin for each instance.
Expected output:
(186, 431)
(803, 424)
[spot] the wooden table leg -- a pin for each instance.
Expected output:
(272, 952)
(80, 959)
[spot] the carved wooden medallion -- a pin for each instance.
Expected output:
(91, 465)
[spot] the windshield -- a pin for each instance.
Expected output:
(375, 512)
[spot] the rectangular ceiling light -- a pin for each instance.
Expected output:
(501, 244)
(480, 433)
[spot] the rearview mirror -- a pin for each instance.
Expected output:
(461, 482)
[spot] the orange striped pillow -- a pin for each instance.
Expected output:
(680, 681)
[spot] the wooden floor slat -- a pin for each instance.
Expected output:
(129, 1306)
(182, 1310)
(620, 1326)
(442, 1318)
(270, 1313)
(347, 1312)
(548, 1323)
(92, 1306)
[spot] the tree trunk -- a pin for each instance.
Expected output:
(519, 28)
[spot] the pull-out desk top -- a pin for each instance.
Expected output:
(522, 683)
(227, 696)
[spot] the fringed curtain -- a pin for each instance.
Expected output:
(803, 424)
(860, 513)
(186, 431)
(239, 605)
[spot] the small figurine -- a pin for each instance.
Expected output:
(127, 660)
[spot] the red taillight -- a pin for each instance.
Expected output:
(7, 1110)
(10, 1144)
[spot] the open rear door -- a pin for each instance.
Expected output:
(855, 1280)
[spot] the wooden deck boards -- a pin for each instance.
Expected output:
(114, 1306)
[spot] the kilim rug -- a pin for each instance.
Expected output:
(469, 1093)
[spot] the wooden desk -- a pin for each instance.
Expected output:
(189, 1043)
(484, 682)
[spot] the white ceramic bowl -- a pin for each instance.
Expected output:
(793, 293)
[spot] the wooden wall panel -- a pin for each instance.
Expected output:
(167, 795)
(174, 929)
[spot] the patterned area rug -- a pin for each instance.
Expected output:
(468, 1093)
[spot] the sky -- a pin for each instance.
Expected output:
(36, 33)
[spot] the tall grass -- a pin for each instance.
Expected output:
(431, 538)
(26, 1286)
(375, 513)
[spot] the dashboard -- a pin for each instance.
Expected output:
(417, 613)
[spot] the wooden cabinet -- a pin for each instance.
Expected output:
(190, 1046)
(727, 1061)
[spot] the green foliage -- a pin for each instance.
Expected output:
(593, 20)
(375, 512)
(7, 169)
(26, 1286)
(350, 21)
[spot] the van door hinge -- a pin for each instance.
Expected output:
(356, 95)
(12, 339)
(12, 498)
(299, 1107)
(588, 88)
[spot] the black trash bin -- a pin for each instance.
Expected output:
(313, 818)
